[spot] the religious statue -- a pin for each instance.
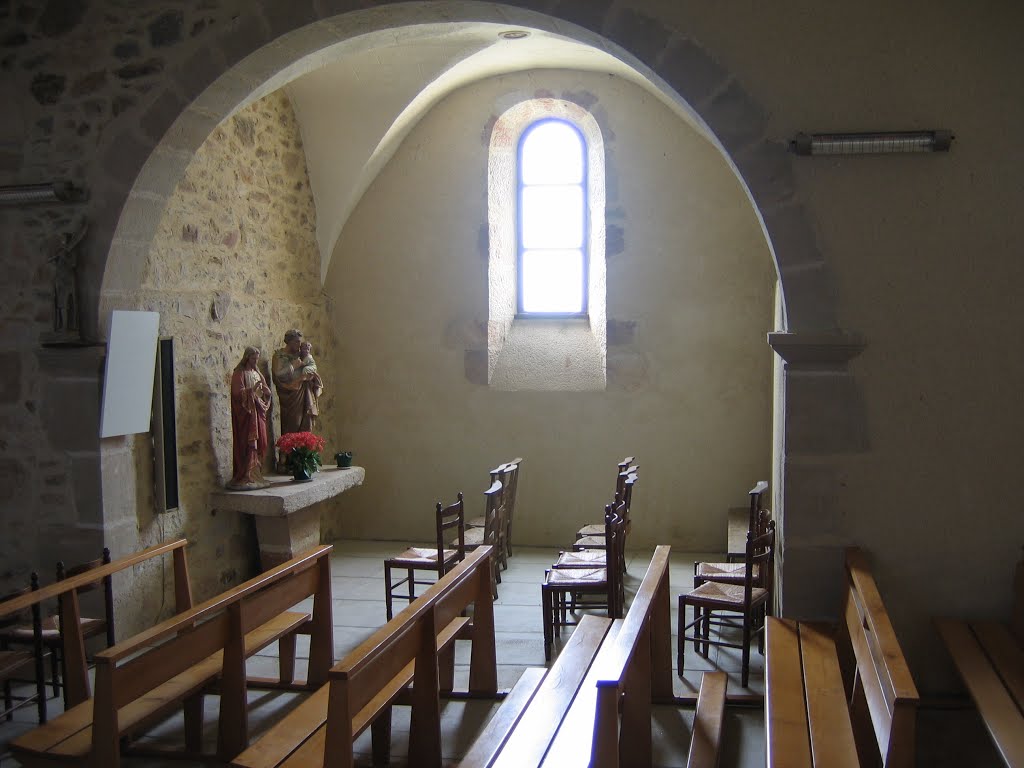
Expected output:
(65, 284)
(250, 401)
(298, 384)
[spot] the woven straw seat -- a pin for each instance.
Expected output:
(590, 542)
(421, 557)
(591, 530)
(729, 573)
(585, 558)
(715, 593)
(571, 576)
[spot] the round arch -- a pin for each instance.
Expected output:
(268, 47)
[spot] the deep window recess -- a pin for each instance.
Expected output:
(552, 232)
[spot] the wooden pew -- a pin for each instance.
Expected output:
(141, 680)
(594, 707)
(376, 675)
(840, 697)
(72, 643)
(989, 655)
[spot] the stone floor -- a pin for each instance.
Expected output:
(358, 586)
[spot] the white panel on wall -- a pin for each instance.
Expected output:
(128, 379)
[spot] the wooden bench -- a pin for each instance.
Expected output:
(143, 679)
(72, 643)
(989, 655)
(594, 707)
(416, 645)
(832, 694)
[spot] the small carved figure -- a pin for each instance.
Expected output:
(250, 401)
(298, 384)
(65, 283)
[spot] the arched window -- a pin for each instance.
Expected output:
(546, 273)
(552, 254)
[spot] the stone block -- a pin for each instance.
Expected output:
(125, 156)
(70, 413)
(590, 14)
(282, 18)
(87, 487)
(766, 167)
(141, 218)
(811, 584)
(10, 382)
(810, 299)
(14, 483)
(161, 114)
(792, 236)
(198, 71)
(243, 36)
(642, 35)
(692, 72)
(825, 413)
(734, 117)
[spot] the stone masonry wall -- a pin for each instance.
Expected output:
(69, 71)
(234, 263)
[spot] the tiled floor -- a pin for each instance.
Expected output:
(358, 587)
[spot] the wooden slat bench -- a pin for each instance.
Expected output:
(840, 697)
(72, 641)
(989, 655)
(141, 680)
(376, 675)
(594, 707)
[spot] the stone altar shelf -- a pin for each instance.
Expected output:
(287, 520)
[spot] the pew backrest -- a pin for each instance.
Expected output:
(66, 591)
(884, 699)
(363, 680)
(131, 669)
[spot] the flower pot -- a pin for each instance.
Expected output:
(301, 475)
(344, 459)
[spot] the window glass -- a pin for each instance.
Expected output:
(552, 219)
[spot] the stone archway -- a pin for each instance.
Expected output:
(819, 417)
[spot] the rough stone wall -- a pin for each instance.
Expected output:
(69, 70)
(234, 263)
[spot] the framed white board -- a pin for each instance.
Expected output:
(128, 378)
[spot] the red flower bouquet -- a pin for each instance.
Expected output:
(301, 451)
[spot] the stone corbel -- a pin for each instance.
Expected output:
(829, 348)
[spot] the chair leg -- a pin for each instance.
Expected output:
(412, 585)
(55, 671)
(745, 673)
(549, 631)
(680, 636)
(387, 590)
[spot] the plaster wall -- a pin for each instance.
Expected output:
(689, 299)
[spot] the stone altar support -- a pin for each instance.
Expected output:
(287, 519)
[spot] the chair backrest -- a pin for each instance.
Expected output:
(493, 508)
(625, 463)
(615, 551)
(451, 532)
(760, 556)
(511, 482)
(758, 516)
(108, 588)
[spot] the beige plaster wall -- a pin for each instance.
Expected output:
(233, 263)
(689, 303)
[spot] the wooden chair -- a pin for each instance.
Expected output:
(731, 572)
(490, 534)
(740, 522)
(590, 550)
(562, 587)
(625, 468)
(17, 666)
(511, 483)
(22, 633)
(449, 551)
(746, 599)
(476, 534)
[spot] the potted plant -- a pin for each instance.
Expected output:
(302, 454)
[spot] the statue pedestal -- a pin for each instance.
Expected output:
(287, 518)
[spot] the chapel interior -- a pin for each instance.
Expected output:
(844, 327)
